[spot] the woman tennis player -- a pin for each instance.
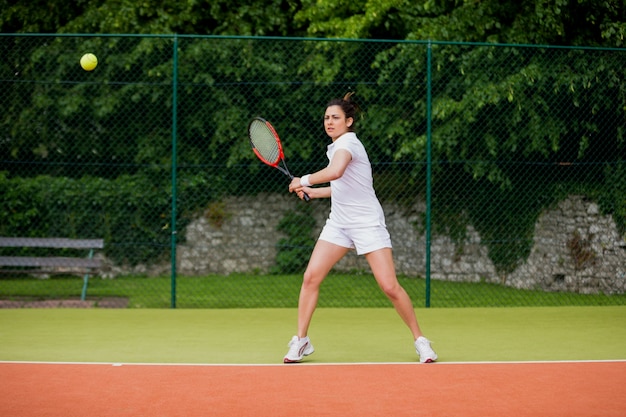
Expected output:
(356, 221)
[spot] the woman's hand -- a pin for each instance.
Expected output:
(295, 185)
(300, 192)
(312, 192)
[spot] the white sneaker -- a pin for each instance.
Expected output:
(298, 348)
(426, 353)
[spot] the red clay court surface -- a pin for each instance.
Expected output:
(549, 389)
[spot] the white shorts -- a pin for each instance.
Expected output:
(364, 239)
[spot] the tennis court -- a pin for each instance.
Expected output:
(568, 361)
(494, 389)
(519, 176)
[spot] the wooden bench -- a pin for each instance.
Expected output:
(52, 264)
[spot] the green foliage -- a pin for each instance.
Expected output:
(505, 218)
(248, 17)
(560, 22)
(125, 211)
(294, 250)
(515, 128)
(495, 108)
(131, 213)
(613, 199)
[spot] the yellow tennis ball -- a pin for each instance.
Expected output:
(88, 62)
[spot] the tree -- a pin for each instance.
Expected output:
(556, 22)
(216, 17)
(495, 106)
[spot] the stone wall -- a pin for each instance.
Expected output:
(576, 248)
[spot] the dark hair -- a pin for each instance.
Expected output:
(348, 105)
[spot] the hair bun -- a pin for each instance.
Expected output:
(348, 96)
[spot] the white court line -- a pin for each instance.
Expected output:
(312, 364)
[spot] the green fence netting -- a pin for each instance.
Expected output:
(501, 168)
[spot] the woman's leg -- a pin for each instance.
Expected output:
(325, 255)
(381, 263)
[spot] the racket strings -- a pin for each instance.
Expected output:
(264, 141)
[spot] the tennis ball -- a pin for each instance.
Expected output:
(88, 62)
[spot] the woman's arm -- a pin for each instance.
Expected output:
(334, 170)
(317, 192)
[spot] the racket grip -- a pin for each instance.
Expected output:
(305, 196)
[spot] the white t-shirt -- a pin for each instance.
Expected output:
(353, 199)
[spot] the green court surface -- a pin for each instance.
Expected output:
(260, 336)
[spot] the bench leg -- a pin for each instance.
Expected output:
(83, 294)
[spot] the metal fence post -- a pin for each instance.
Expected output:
(174, 166)
(428, 166)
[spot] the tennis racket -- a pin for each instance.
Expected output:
(267, 147)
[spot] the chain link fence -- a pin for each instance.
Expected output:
(501, 168)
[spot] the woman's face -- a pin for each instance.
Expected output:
(335, 122)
